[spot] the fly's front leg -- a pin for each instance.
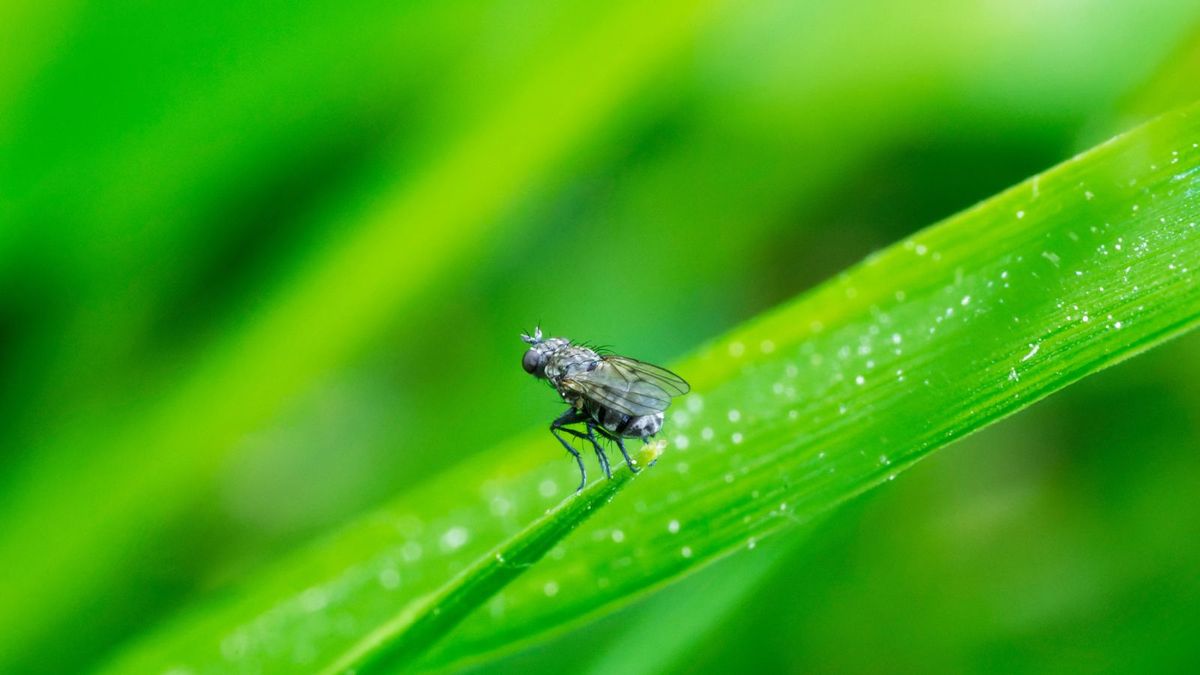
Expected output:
(571, 416)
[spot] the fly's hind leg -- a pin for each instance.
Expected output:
(616, 438)
(625, 453)
(570, 417)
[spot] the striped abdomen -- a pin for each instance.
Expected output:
(629, 426)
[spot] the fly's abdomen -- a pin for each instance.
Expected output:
(644, 426)
(629, 426)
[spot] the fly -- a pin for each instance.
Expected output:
(613, 396)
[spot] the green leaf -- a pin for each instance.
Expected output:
(693, 607)
(414, 631)
(792, 415)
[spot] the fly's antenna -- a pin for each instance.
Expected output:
(535, 338)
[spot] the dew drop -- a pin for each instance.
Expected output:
(389, 578)
(411, 551)
(455, 537)
(501, 506)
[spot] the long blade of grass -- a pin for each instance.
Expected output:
(792, 415)
(412, 633)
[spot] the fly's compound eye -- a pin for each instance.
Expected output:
(532, 363)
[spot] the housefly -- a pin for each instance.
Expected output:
(613, 396)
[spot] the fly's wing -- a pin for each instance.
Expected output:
(628, 386)
(657, 375)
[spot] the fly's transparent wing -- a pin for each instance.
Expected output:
(636, 399)
(663, 378)
(628, 386)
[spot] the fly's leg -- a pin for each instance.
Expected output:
(616, 438)
(625, 454)
(591, 436)
(570, 417)
(576, 455)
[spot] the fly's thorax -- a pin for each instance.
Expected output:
(568, 360)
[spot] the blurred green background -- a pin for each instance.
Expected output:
(263, 265)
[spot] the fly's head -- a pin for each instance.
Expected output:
(540, 351)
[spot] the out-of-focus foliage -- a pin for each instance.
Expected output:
(262, 266)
